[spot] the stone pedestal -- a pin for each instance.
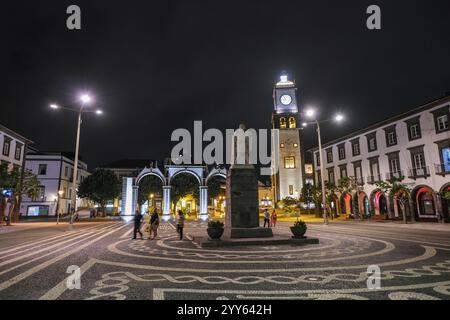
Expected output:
(242, 214)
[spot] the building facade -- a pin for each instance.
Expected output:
(287, 146)
(13, 151)
(55, 171)
(413, 147)
(13, 148)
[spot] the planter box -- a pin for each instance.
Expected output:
(298, 232)
(215, 233)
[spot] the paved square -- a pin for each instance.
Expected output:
(414, 264)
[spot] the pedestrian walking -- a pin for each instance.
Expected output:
(266, 218)
(273, 218)
(137, 224)
(180, 223)
(154, 224)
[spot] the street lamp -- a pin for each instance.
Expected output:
(85, 100)
(310, 113)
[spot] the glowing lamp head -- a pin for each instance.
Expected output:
(99, 112)
(310, 113)
(284, 78)
(54, 106)
(339, 118)
(304, 124)
(85, 98)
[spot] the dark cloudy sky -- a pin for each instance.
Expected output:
(154, 66)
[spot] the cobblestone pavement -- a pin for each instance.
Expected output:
(414, 264)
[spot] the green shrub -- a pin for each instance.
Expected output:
(300, 223)
(215, 224)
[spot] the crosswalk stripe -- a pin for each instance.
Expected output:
(6, 284)
(33, 242)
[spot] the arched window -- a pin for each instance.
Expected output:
(292, 123)
(282, 123)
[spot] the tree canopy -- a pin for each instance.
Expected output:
(18, 186)
(99, 187)
(182, 185)
(147, 186)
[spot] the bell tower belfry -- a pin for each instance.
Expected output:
(287, 146)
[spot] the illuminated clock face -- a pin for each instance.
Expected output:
(286, 99)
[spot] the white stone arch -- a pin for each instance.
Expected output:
(197, 172)
(151, 172)
(216, 172)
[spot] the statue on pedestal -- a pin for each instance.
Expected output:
(242, 210)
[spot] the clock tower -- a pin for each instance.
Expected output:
(287, 146)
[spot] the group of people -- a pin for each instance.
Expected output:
(154, 224)
(270, 219)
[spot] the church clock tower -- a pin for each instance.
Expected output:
(287, 146)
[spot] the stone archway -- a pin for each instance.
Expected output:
(334, 205)
(198, 172)
(363, 204)
(424, 203)
(378, 203)
(445, 203)
(346, 203)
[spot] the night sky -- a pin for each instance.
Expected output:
(154, 66)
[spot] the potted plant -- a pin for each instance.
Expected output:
(215, 229)
(299, 229)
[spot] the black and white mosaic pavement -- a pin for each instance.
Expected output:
(414, 264)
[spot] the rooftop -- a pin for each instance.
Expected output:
(423, 107)
(14, 134)
(129, 164)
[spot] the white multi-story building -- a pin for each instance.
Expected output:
(13, 148)
(55, 171)
(413, 146)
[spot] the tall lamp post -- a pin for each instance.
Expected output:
(310, 113)
(85, 100)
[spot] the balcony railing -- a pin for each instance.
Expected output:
(442, 168)
(374, 178)
(399, 175)
(414, 173)
(359, 181)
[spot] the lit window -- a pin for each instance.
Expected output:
(6, 148)
(372, 144)
(282, 123)
(414, 131)
(289, 162)
(291, 189)
(292, 123)
(355, 148)
(42, 169)
(18, 152)
(442, 122)
(391, 138)
(341, 153)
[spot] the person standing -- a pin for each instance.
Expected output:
(137, 224)
(273, 218)
(180, 223)
(154, 224)
(266, 218)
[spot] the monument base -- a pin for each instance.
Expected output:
(258, 232)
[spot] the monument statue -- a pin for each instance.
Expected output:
(242, 210)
